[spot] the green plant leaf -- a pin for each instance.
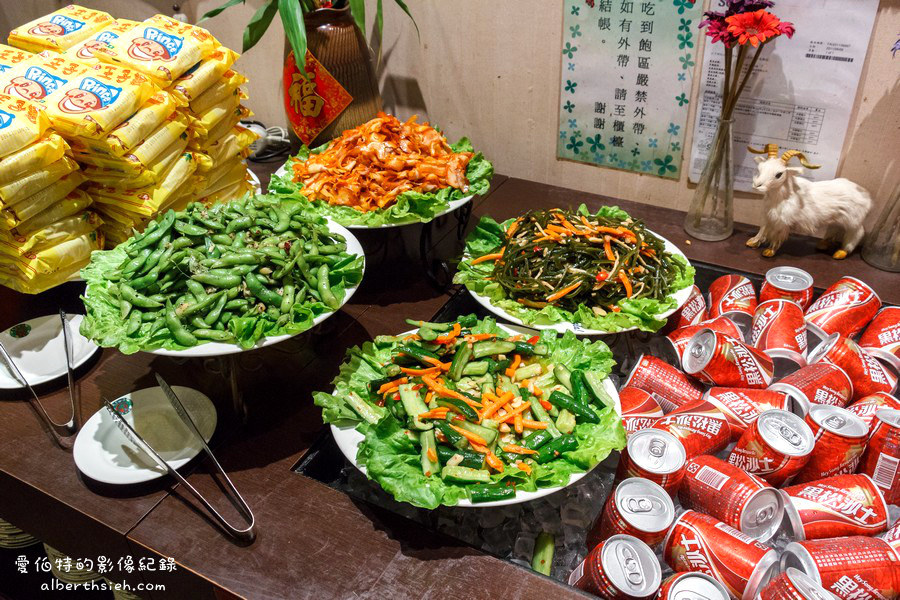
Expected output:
(379, 19)
(295, 29)
(358, 10)
(259, 23)
(405, 9)
(216, 11)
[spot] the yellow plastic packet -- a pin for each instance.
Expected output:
(227, 174)
(52, 259)
(42, 283)
(221, 129)
(168, 157)
(142, 123)
(85, 50)
(74, 202)
(236, 143)
(60, 30)
(147, 201)
(203, 74)
(226, 106)
(161, 48)
(93, 104)
(40, 77)
(55, 233)
(225, 87)
(38, 155)
(11, 57)
(21, 123)
(108, 162)
(20, 189)
(15, 216)
(118, 179)
(155, 143)
(113, 236)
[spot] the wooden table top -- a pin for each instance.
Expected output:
(313, 541)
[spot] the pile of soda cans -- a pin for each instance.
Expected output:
(764, 419)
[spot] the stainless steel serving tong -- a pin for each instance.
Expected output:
(62, 433)
(247, 533)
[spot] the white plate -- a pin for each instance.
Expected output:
(681, 296)
(348, 440)
(221, 349)
(36, 346)
(103, 453)
(453, 205)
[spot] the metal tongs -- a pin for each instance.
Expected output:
(60, 432)
(248, 533)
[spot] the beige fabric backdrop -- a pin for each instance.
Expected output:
(491, 71)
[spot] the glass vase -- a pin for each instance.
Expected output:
(882, 246)
(711, 214)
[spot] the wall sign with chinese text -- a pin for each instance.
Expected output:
(627, 69)
(312, 100)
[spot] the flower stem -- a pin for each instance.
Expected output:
(728, 107)
(743, 84)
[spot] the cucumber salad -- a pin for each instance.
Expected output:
(471, 410)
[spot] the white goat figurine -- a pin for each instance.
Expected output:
(838, 206)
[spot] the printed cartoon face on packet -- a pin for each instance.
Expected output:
(155, 44)
(57, 25)
(35, 84)
(90, 95)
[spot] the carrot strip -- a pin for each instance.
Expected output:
(516, 411)
(563, 292)
(558, 229)
(436, 363)
(472, 437)
(608, 249)
(514, 449)
(426, 371)
(501, 402)
(412, 337)
(626, 282)
(432, 455)
(451, 335)
(494, 462)
(477, 337)
(479, 448)
(518, 424)
(487, 257)
(448, 393)
(428, 396)
(513, 227)
(546, 405)
(435, 413)
(529, 424)
(511, 369)
(524, 466)
(392, 385)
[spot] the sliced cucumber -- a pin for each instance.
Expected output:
(465, 475)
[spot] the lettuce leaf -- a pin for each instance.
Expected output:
(641, 313)
(393, 461)
(411, 207)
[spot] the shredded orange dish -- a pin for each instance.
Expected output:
(368, 167)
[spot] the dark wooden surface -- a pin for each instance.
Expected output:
(313, 541)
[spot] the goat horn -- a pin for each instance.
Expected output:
(789, 154)
(770, 149)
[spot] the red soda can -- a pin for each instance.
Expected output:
(881, 338)
(794, 584)
(741, 406)
(655, 455)
(692, 586)
(699, 426)
(621, 568)
(734, 297)
(669, 385)
(892, 537)
(846, 307)
(857, 567)
(724, 361)
(637, 507)
(703, 544)
(881, 459)
(743, 501)
(835, 507)
(788, 283)
(840, 440)
(779, 330)
(774, 447)
(866, 408)
(866, 372)
(819, 383)
(639, 409)
(678, 340)
(691, 312)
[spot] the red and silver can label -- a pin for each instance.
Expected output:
(741, 406)
(671, 387)
(621, 568)
(700, 427)
(774, 447)
(851, 568)
(867, 373)
(788, 283)
(734, 297)
(640, 409)
(881, 338)
(892, 537)
(866, 408)
(743, 501)
(655, 455)
(637, 507)
(779, 330)
(679, 338)
(838, 506)
(692, 586)
(693, 311)
(794, 584)
(724, 361)
(819, 383)
(703, 544)
(846, 307)
(881, 459)
(840, 440)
